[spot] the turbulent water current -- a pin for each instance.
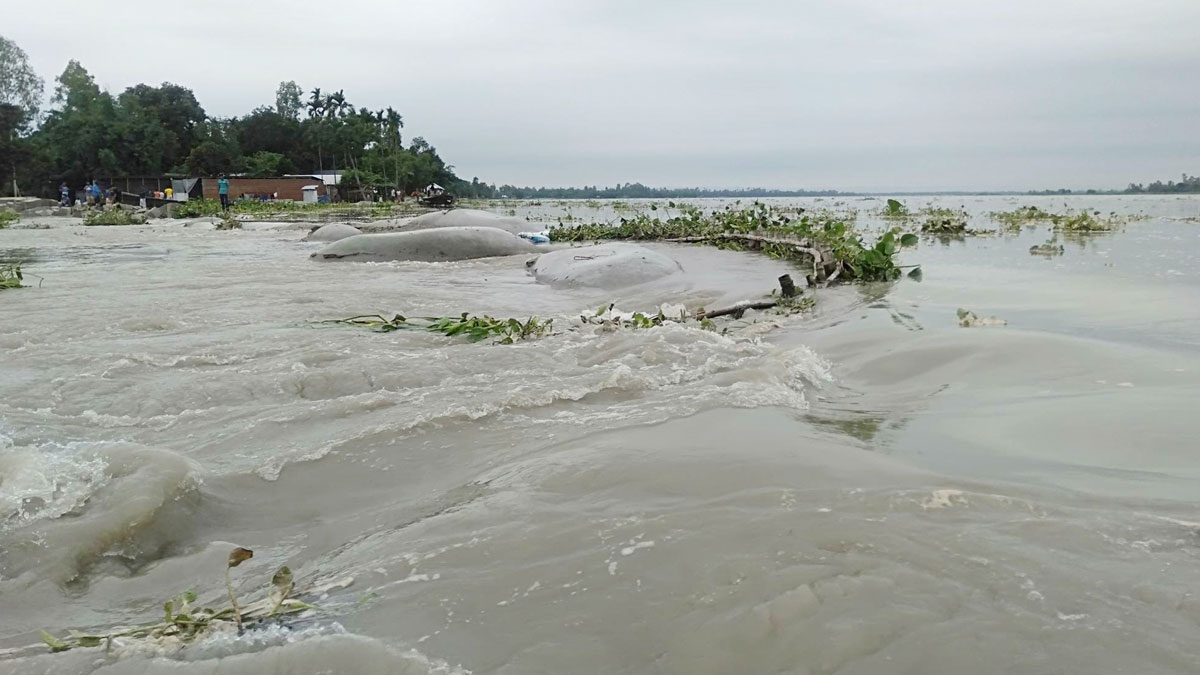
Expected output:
(866, 488)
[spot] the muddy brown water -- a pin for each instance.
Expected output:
(866, 489)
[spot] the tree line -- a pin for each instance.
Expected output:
(147, 130)
(1188, 184)
(639, 191)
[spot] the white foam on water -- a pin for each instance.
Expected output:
(944, 499)
(46, 482)
(630, 550)
(65, 507)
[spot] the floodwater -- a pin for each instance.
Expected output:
(868, 488)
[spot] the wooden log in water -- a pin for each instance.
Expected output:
(737, 310)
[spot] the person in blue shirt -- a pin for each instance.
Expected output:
(223, 192)
(64, 194)
(95, 190)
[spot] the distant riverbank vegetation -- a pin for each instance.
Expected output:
(639, 191)
(1187, 184)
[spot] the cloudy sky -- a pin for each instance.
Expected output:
(845, 94)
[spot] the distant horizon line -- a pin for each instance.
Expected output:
(782, 192)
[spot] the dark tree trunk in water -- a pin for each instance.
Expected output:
(787, 289)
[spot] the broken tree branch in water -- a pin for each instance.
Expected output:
(737, 310)
(787, 290)
(826, 267)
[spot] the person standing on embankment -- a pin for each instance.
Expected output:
(223, 192)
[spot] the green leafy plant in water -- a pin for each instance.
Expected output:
(942, 221)
(895, 209)
(228, 222)
(931, 219)
(10, 275)
(474, 328)
(1082, 222)
(114, 216)
(477, 328)
(870, 263)
(8, 218)
(186, 622)
(197, 208)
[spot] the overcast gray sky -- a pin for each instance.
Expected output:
(845, 94)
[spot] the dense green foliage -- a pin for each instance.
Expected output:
(151, 131)
(20, 86)
(777, 232)
(8, 218)
(20, 100)
(198, 208)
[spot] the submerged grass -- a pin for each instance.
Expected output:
(228, 222)
(115, 216)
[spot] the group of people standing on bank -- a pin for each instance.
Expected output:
(92, 195)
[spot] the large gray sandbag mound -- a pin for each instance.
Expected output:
(332, 232)
(467, 218)
(604, 266)
(388, 225)
(439, 245)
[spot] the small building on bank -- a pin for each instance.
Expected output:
(289, 188)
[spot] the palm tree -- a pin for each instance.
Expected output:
(392, 123)
(317, 105)
(337, 106)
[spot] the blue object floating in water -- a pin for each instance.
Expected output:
(536, 237)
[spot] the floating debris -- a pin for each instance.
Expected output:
(1049, 249)
(968, 319)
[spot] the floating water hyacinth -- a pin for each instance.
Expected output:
(10, 276)
(186, 623)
